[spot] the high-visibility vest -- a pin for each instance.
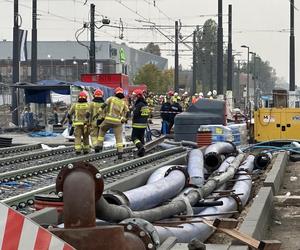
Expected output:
(80, 111)
(96, 112)
(116, 109)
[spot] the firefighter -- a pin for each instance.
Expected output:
(185, 101)
(150, 102)
(115, 115)
(96, 117)
(140, 117)
(165, 115)
(80, 113)
(175, 108)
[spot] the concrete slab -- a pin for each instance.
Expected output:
(259, 215)
(238, 247)
(24, 138)
(184, 246)
(275, 176)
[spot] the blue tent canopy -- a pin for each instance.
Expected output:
(40, 93)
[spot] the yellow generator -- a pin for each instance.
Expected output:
(276, 123)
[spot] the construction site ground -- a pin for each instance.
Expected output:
(285, 224)
(24, 138)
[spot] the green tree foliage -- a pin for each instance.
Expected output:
(206, 48)
(157, 81)
(153, 49)
(264, 74)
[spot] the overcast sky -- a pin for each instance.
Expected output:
(256, 23)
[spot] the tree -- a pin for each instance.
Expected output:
(206, 48)
(153, 49)
(156, 80)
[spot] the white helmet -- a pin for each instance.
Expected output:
(175, 94)
(214, 92)
(236, 110)
(185, 93)
(209, 93)
(196, 94)
(201, 94)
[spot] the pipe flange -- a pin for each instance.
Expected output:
(144, 230)
(182, 169)
(80, 166)
(116, 197)
(238, 202)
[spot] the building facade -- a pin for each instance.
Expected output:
(66, 60)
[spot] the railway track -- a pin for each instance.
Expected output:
(111, 171)
(35, 158)
(22, 149)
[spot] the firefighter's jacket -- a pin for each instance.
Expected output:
(80, 113)
(116, 110)
(141, 113)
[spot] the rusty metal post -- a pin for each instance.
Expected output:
(80, 185)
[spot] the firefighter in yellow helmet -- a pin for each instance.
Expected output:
(79, 116)
(115, 115)
(96, 117)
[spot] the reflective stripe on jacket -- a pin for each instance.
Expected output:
(141, 114)
(116, 109)
(80, 112)
(96, 112)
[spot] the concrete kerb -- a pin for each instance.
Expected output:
(258, 218)
(275, 176)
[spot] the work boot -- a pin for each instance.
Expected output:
(78, 152)
(141, 149)
(120, 154)
(85, 152)
(98, 149)
(141, 152)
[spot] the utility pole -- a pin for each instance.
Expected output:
(211, 84)
(254, 79)
(229, 62)
(194, 64)
(176, 73)
(220, 87)
(292, 48)
(238, 86)
(34, 43)
(92, 42)
(16, 59)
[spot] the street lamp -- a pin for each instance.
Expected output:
(64, 61)
(50, 57)
(76, 63)
(211, 71)
(248, 79)
(85, 67)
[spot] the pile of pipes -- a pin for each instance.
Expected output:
(176, 201)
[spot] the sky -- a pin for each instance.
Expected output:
(263, 25)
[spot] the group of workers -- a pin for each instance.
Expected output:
(94, 119)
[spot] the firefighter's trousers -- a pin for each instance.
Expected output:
(138, 136)
(94, 133)
(81, 133)
(117, 128)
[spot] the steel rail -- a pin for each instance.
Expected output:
(49, 167)
(35, 155)
(107, 173)
(20, 148)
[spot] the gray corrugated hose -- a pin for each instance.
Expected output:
(113, 213)
(201, 230)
